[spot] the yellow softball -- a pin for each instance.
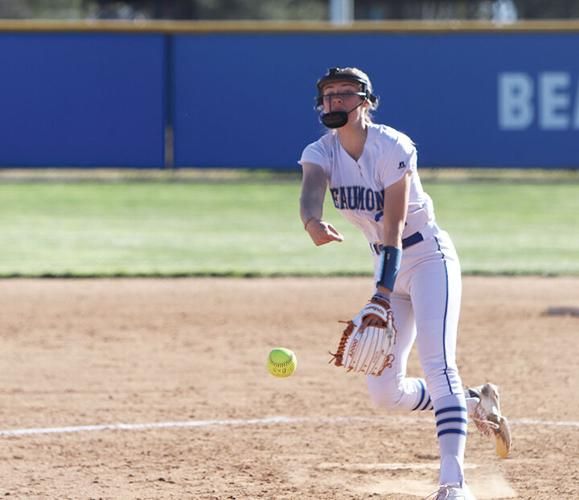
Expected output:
(281, 362)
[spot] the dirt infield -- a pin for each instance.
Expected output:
(190, 354)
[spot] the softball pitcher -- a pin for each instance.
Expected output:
(371, 173)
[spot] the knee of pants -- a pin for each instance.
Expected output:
(442, 381)
(384, 392)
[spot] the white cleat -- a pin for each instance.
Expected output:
(452, 492)
(488, 419)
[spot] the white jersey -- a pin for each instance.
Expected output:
(425, 299)
(357, 187)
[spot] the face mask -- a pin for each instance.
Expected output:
(337, 119)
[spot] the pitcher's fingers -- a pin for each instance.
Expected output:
(324, 241)
(323, 238)
(335, 234)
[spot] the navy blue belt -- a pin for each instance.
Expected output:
(406, 242)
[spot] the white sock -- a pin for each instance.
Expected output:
(451, 426)
(408, 394)
(422, 399)
(414, 396)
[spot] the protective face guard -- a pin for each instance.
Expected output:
(337, 119)
(337, 75)
(334, 119)
(341, 95)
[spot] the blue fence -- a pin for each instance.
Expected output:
(80, 99)
(484, 99)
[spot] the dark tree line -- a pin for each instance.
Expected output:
(464, 9)
(313, 10)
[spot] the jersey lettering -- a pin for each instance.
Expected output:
(357, 198)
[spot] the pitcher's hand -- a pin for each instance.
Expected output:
(322, 232)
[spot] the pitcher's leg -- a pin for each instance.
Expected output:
(436, 297)
(436, 294)
(393, 389)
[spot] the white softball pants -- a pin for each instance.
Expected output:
(426, 305)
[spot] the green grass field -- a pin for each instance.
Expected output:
(250, 226)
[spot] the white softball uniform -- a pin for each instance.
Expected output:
(427, 292)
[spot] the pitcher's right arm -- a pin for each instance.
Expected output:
(314, 185)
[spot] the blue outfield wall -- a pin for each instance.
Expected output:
(82, 99)
(246, 98)
(475, 100)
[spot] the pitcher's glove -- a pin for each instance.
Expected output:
(368, 341)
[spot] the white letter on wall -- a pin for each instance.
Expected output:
(554, 101)
(515, 101)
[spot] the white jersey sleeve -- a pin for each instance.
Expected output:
(401, 159)
(316, 153)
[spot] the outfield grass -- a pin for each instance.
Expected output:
(252, 227)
